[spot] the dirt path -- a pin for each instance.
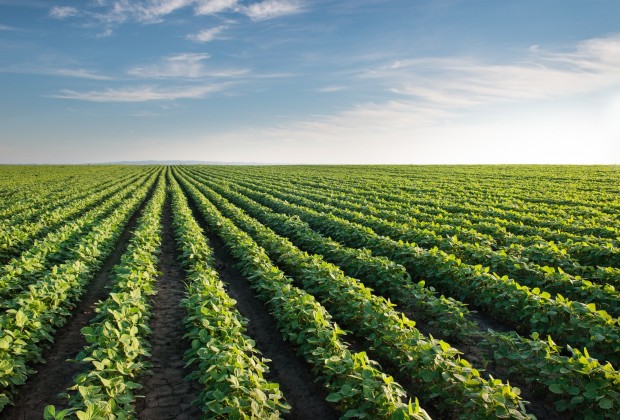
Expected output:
(167, 395)
(295, 377)
(56, 375)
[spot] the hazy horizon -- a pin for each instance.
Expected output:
(310, 82)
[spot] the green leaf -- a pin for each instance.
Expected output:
(605, 403)
(87, 331)
(20, 318)
(561, 406)
(556, 389)
(334, 397)
(427, 376)
(577, 400)
(50, 412)
(4, 400)
(82, 415)
(398, 415)
(444, 346)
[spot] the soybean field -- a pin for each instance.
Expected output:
(304, 292)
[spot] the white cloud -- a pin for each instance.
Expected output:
(595, 55)
(114, 12)
(80, 74)
(206, 35)
(106, 33)
(458, 110)
(189, 57)
(369, 118)
(7, 28)
(211, 7)
(154, 10)
(330, 89)
(61, 72)
(269, 9)
(184, 65)
(150, 11)
(142, 93)
(63, 12)
(465, 82)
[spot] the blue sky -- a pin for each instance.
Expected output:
(300, 81)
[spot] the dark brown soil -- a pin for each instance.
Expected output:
(539, 408)
(295, 377)
(167, 395)
(56, 375)
(485, 322)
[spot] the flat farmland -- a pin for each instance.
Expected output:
(298, 292)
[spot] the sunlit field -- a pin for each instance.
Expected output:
(304, 291)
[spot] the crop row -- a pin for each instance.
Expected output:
(590, 258)
(35, 314)
(526, 273)
(589, 250)
(355, 384)
(117, 338)
(449, 199)
(427, 362)
(16, 237)
(37, 200)
(560, 195)
(224, 358)
(445, 316)
(56, 246)
(31, 192)
(568, 381)
(575, 254)
(527, 310)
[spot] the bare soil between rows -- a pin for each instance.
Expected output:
(306, 397)
(166, 393)
(57, 373)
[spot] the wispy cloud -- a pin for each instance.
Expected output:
(63, 12)
(211, 7)
(142, 93)
(106, 33)
(152, 11)
(269, 9)
(105, 15)
(189, 57)
(431, 93)
(465, 82)
(206, 35)
(330, 89)
(369, 118)
(78, 73)
(188, 65)
(7, 28)
(184, 65)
